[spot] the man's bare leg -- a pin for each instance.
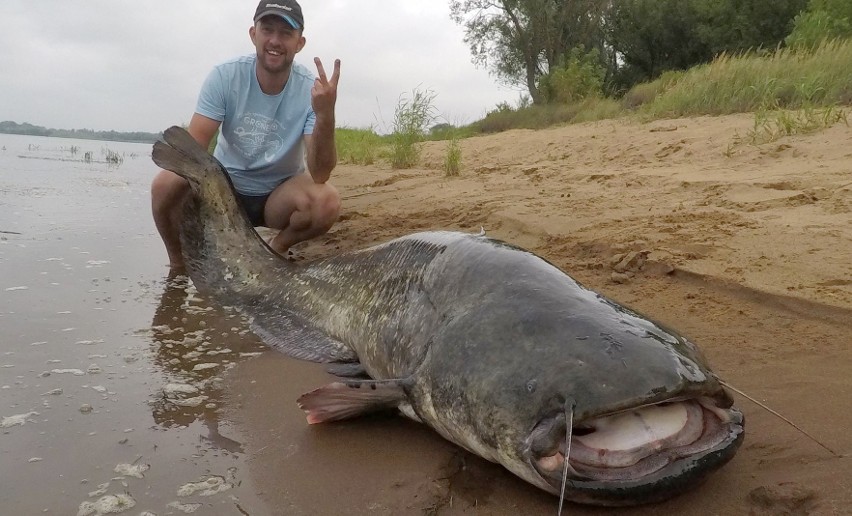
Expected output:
(168, 191)
(301, 209)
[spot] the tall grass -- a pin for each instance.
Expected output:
(411, 118)
(771, 123)
(358, 146)
(785, 79)
(452, 161)
(646, 92)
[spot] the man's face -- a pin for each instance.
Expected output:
(277, 43)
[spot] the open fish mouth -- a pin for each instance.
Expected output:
(628, 452)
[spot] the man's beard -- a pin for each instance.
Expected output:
(283, 67)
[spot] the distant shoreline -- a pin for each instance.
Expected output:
(8, 127)
(117, 140)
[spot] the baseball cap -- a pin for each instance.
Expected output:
(290, 10)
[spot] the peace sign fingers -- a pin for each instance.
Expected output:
(324, 92)
(335, 76)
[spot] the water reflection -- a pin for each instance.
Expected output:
(195, 343)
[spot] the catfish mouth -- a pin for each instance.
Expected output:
(646, 454)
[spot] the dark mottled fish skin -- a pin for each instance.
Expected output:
(486, 339)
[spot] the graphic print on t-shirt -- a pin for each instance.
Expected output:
(258, 135)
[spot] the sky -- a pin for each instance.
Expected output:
(138, 65)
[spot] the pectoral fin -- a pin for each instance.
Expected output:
(344, 400)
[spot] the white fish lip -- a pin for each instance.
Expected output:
(678, 468)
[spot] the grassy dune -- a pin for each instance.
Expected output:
(790, 91)
(735, 84)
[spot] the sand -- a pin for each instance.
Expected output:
(745, 249)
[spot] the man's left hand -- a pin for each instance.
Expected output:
(324, 92)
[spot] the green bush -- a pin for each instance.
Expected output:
(578, 76)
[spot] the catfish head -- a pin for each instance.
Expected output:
(571, 391)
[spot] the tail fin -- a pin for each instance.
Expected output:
(184, 156)
(220, 246)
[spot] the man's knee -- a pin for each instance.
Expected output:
(328, 206)
(167, 188)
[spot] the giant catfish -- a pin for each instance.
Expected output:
(493, 347)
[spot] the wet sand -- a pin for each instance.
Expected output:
(746, 250)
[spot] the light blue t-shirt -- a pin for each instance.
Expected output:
(260, 140)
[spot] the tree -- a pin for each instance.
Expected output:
(653, 36)
(824, 19)
(736, 25)
(521, 40)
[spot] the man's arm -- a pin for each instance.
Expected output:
(202, 129)
(321, 150)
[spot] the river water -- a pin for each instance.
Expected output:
(110, 371)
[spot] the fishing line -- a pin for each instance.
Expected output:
(782, 418)
(569, 424)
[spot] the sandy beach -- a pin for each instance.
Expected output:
(118, 380)
(745, 249)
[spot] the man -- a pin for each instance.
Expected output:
(275, 118)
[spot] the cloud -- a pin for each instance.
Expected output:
(128, 66)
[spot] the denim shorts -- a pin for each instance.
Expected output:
(253, 206)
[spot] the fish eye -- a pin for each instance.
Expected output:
(531, 386)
